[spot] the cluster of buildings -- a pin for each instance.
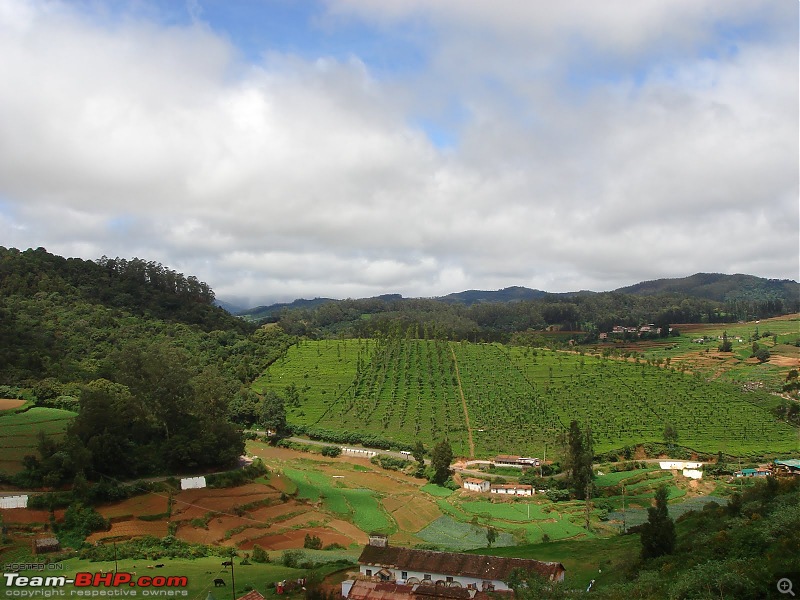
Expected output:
(643, 331)
(519, 462)
(780, 468)
(473, 484)
(393, 573)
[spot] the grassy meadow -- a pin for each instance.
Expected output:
(20, 431)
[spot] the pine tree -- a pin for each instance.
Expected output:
(658, 533)
(441, 457)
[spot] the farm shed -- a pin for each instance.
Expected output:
(43, 545)
(193, 483)
(753, 473)
(506, 460)
(787, 466)
(512, 489)
(450, 569)
(677, 465)
(474, 484)
(14, 502)
(358, 452)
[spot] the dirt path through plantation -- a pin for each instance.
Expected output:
(464, 404)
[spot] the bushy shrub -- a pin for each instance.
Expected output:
(293, 558)
(389, 462)
(259, 554)
(238, 476)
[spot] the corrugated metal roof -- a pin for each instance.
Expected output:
(789, 462)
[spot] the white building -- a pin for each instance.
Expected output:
(193, 483)
(474, 484)
(363, 453)
(14, 502)
(512, 489)
(677, 465)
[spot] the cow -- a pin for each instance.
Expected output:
(219, 582)
(227, 563)
(159, 565)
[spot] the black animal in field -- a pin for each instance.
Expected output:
(219, 582)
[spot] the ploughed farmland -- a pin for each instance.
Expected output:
(503, 399)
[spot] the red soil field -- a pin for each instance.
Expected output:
(149, 504)
(295, 539)
(26, 515)
(128, 529)
(9, 403)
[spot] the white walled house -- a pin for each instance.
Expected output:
(678, 465)
(451, 569)
(474, 484)
(20, 501)
(193, 483)
(692, 473)
(512, 489)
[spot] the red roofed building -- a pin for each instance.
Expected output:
(449, 569)
(375, 590)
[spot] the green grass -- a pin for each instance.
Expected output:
(200, 573)
(520, 511)
(436, 490)
(609, 479)
(583, 559)
(360, 506)
(451, 534)
(19, 433)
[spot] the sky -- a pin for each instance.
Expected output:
(282, 149)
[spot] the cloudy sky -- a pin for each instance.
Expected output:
(279, 149)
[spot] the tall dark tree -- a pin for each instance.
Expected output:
(658, 533)
(726, 345)
(578, 459)
(273, 413)
(441, 458)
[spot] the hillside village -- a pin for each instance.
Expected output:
(178, 438)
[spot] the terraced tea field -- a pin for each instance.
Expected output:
(515, 399)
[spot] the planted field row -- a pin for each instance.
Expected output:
(518, 399)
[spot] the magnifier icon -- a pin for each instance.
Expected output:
(785, 586)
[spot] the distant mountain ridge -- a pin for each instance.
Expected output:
(718, 286)
(711, 286)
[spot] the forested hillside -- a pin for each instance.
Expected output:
(588, 312)
(139, 351)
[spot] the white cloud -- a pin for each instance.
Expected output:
(671, 147)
